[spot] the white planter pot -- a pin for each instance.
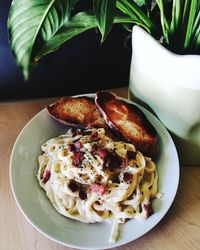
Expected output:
(169, 84)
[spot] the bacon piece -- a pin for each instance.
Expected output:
(99, 189)
(95, 137)
(103, 153)
(77, 158)
(73, 186)
(75, 146)
(71, 148)
(78, 145)
(123, 163)
(46, 176)
(82, 194)
(148, 210)
(115, 178)
(128, 177)
(131, 154)
(112, 161)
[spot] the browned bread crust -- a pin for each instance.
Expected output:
(78, 112)
(129, 122)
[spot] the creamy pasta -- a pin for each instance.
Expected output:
(91, 177)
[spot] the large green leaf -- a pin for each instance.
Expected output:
(195, 37)
(80, 23)
(175, 28)
(104, 11)
(190, 19)
(138, 12)
(140, 2)
(32, 23)
(128, 11)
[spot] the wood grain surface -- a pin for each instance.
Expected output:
(179, 229)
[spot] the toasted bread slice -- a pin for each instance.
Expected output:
(80, 112)
(129, 122)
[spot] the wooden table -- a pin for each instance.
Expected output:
(179, 229)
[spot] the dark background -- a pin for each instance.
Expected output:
(81, 65)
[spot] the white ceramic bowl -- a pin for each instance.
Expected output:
(35, 206)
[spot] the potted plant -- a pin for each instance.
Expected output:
(165, 46)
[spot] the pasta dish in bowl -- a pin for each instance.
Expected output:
(90, 177)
